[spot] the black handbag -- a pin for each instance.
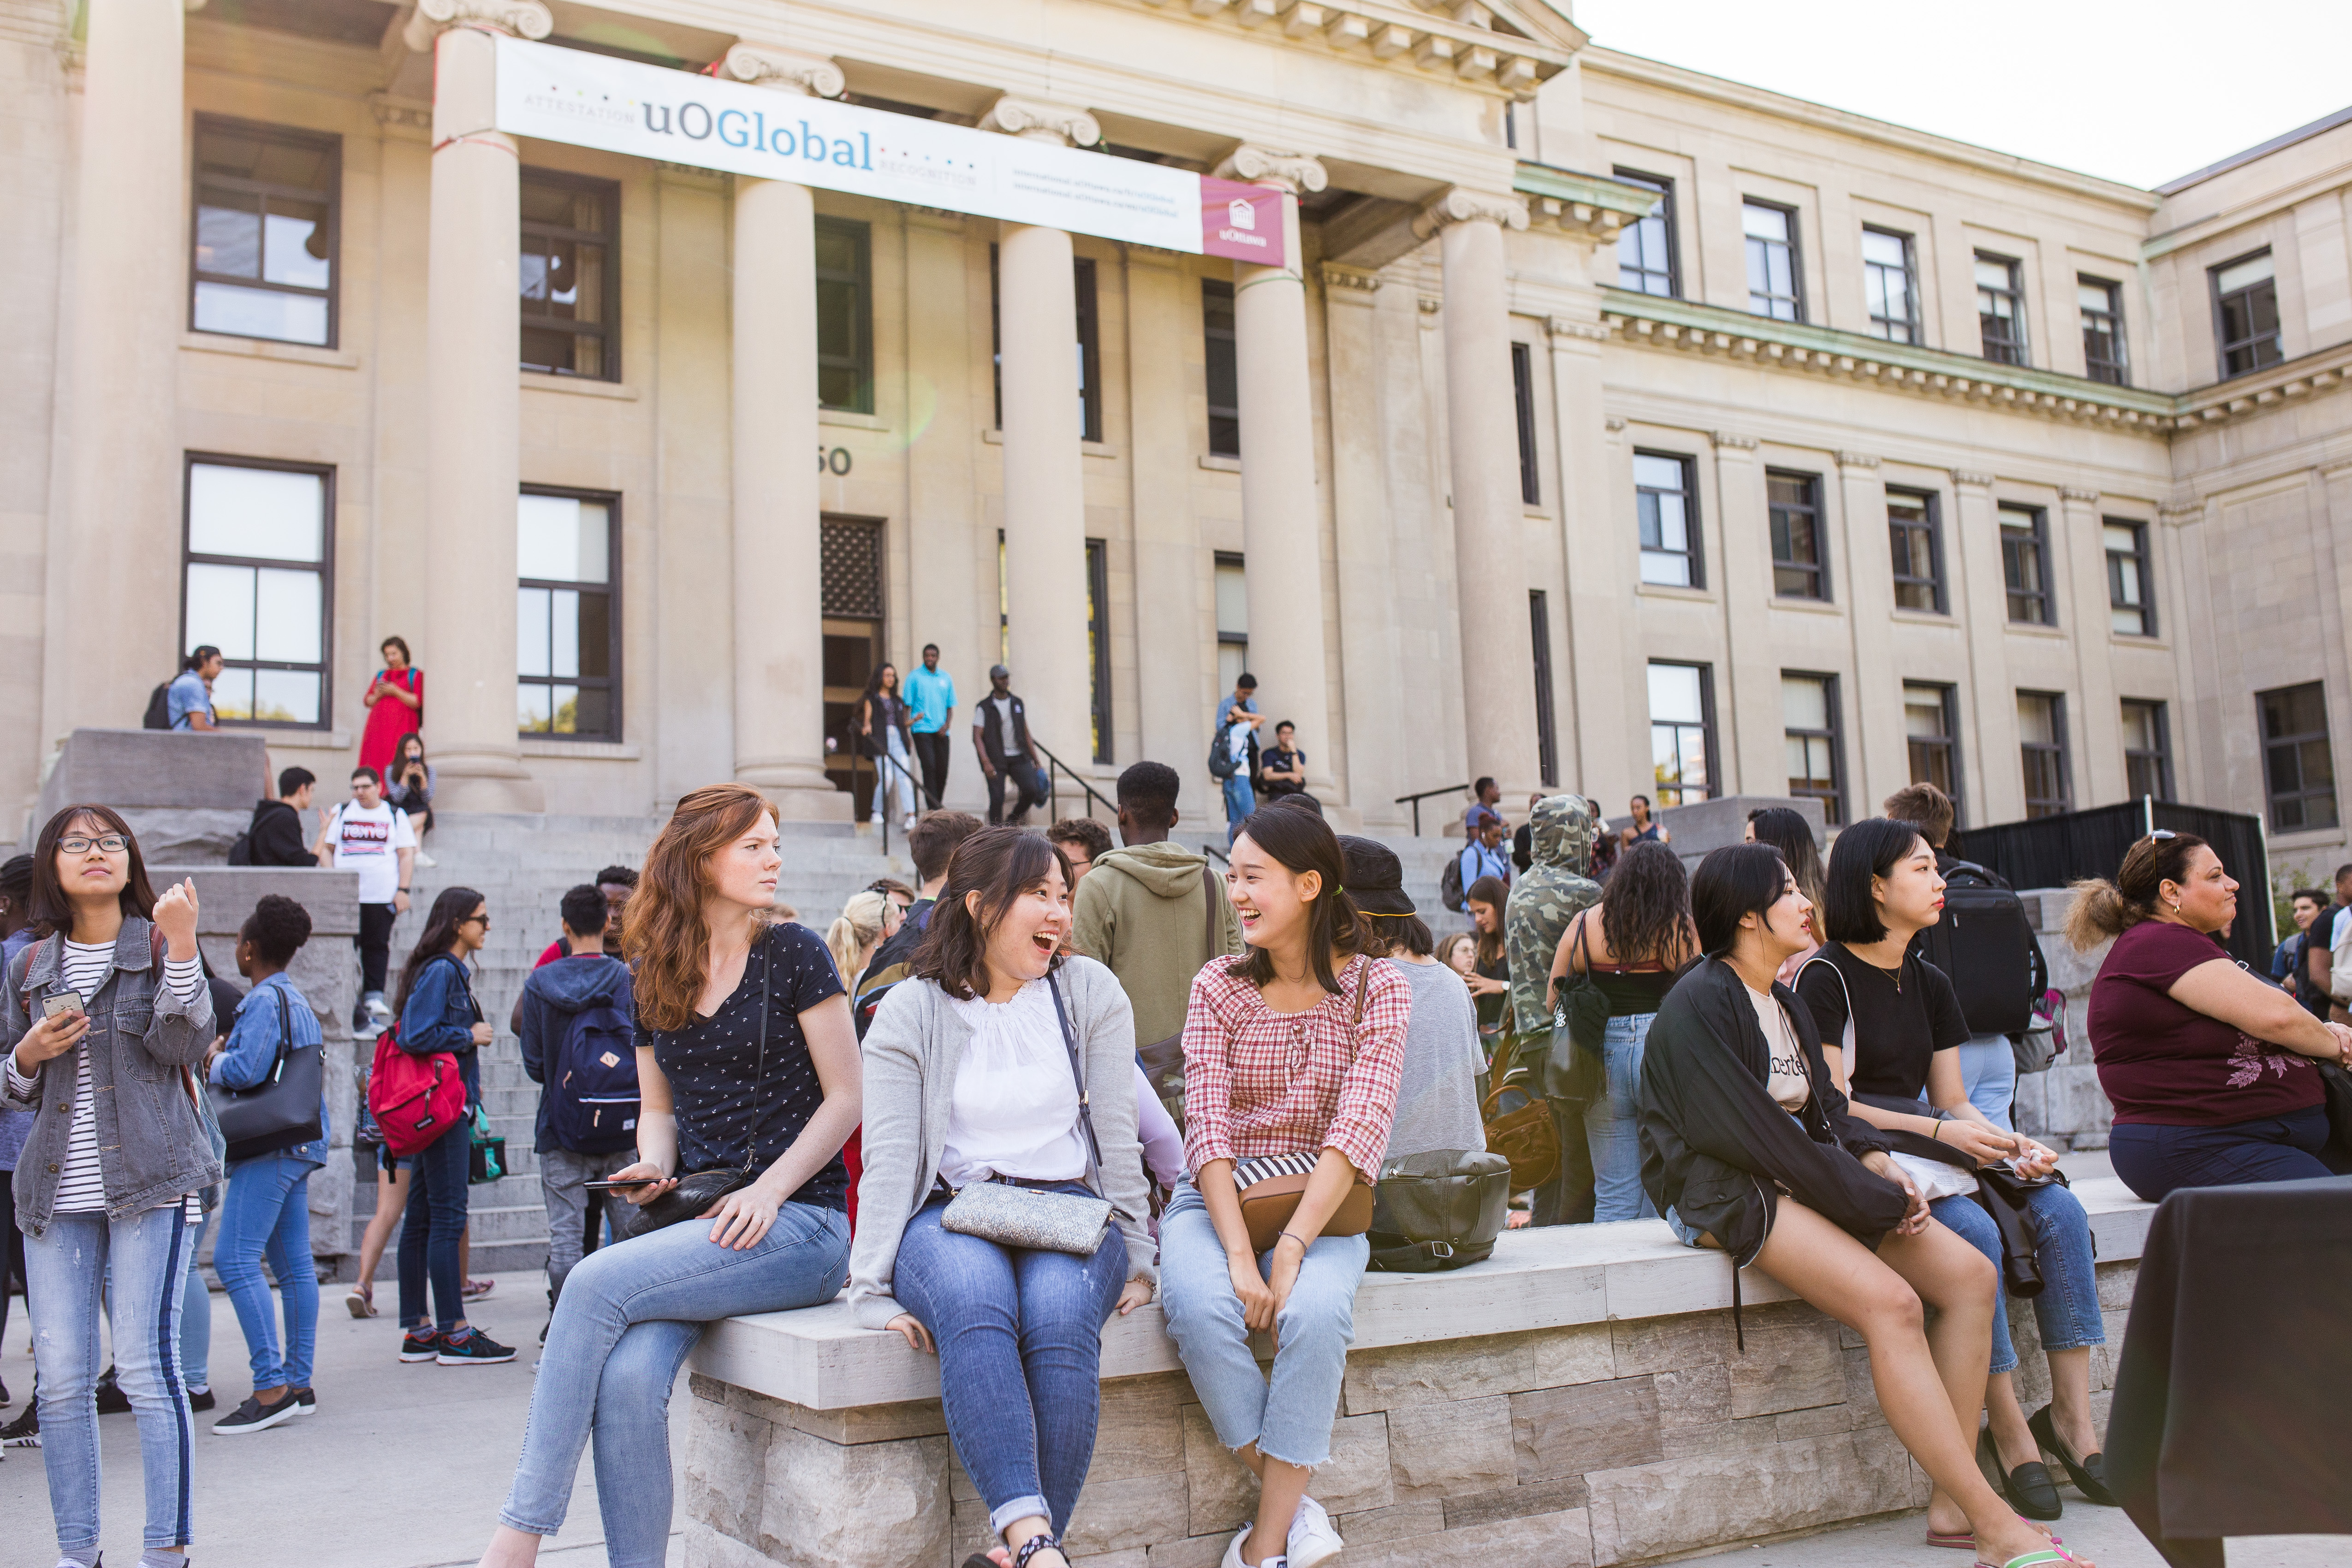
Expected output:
(282, 1110)
(1570, 1064)
(1439, 1209)
(2335, 1084)
(695, 1192)
(2003, 1195)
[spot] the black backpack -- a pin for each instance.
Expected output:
(1449, 884)
(1986, 947)
(159, 709)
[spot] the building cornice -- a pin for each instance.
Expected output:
(2306, 376)
(1466, 48)
(1581, 206)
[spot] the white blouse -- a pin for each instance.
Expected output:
(1015, 1108)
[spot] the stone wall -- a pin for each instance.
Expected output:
(187, 794)
(1580, 1446)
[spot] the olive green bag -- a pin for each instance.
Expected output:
(1438, 1210)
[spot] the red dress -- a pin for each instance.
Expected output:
(391, 719)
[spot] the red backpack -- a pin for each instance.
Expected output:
(414, 1098)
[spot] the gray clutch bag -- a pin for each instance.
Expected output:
(1028, 1217)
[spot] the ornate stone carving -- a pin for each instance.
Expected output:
(787, 70)
(1736, 442)
(1564, 327)
(1970, 477)
(2180, 516)
(1431, 304)
(1039, 122)
(1293, 171)
(2075, 492)
(392, 114)
(523, 18)
(1856, 460)
(1350, 282)
(1614, 422)
(1459, 204)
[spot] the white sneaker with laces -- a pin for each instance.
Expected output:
(1233, 1558)
(1313, 1541)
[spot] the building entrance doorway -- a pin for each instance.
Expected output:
(853, 605)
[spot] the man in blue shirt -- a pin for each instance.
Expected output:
(190, 698)
(1484, 855)
(1237, 723)
(931, 692)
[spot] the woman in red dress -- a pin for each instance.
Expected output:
(395, 701)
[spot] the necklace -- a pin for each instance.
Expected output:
(1895, 974)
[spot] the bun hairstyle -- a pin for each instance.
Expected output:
(1300, 842)
(2104, 909)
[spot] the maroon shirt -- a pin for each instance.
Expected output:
(2167, 1064)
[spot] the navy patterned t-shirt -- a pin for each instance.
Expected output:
(724, 1119)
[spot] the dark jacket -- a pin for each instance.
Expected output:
(1716, 1146)
(990, 728)
(551, 997)
(275, 837)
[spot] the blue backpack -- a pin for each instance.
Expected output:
(592, 1084)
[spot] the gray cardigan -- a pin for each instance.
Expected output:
(911, 1055)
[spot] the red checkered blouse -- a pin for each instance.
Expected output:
(1259, 1082)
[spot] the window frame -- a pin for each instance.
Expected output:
(1224, 342)
(2045, 596)
(1796, 296)
(1547, 723)
(1098, 696)
(1932, 526)
(2020, 346)
(1912, 325)
(1833, 798)
(2141, 557)
(2271, 795)
(189, 462)
(1088, 332)
(1776, 513)
(862, 361)
(1523, 401)
(1665, 215)
(2063, 802)
(1219, 561)
(2160, 731)
(1713, 789)
(2223, 344)
(1948, 696)
(608, 330)
(611, 502)
(1694, 556)
(2113, 370)
(327, 142)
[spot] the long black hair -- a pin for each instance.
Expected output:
(449, 911)
(1645, 915)
(1000, 864)
(1792, 836)
(1732, 883)
(51, 910)
(1870, 847)
(1300, 842)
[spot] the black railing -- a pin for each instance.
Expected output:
(1424, 795)
(914, 789)
(1055, 769)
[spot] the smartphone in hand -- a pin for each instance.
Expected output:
(58, 1003)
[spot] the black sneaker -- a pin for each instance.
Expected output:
(420, 1344)
(305, 1403)
(24, 1432)
(202, 1399)
(4, 1393)
(254, 1416)
(471, 1347)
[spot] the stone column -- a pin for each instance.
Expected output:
(1281, 534)
(1880, 761)
(474, 401)
(1045, 490)
(779, 571)
(1498, 704)
(1995, 775)
(1364, 530)
(1753, 752)
(2078, 532)
(1604, 672)
(1176, 685)
(121, 528)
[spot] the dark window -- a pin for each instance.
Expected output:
(1224, 370)
(2245, 307)
(1233, 619)
(850, 600)
(1809, 727)
(1546, 734)
(1890, 285)
(265, 232)
(2103, 331)
(570, 284)
(1797, 559)
(844, 315)
(1931, 730)
(1099, 645)
(2298, 767)
(1645, 248)
(2147, 749)
(568, 615)
(2131, 609)
(1668, 502)
(2001, 309)
(2042, 746)
(258, 572)
(1681, 732)
(2025, 565)
(1915, 542)
(1774, 286)
(1523, 394)
(1090, 403)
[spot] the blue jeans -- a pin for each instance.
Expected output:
(1289, 1417)
(2154, 1161)
(1610, 1125)
(1988, 1078)
(1020, 1339)
(629, 1315)
(432, 1226)
(267, 1211)
(66, 1273)
(1239, 801)
(196, 1316)
(2068, 1307)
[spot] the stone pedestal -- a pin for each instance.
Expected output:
(185, 794)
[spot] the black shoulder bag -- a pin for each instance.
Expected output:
(282, 1110)
(694, 1195)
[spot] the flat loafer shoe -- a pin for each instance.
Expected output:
(2032, 1491)
(2088, 1473)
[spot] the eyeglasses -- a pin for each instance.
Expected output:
(112, 843)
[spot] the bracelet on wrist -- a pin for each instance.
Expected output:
(1291, 1235)
(1938, 1133)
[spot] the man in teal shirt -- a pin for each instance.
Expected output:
(931, 692)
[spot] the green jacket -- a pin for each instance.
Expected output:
(1139, 912)
(1544, 900)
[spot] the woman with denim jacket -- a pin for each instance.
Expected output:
(437, 1013)
(266, 1211)
(99, 1045)
(970, 1079)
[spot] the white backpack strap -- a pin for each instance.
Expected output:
(1846, 1042)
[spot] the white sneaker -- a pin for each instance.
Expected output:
(424, 859)
(1312, 1541)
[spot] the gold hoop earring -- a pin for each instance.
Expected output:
(2176, 906)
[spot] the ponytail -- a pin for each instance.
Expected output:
(2102, 909)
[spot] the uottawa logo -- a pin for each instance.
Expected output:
(1240, 213)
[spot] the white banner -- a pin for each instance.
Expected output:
(648, 112)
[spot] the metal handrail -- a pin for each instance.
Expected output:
(1424, 795)
(914, 789)
(1053, 795)
(1212, 849)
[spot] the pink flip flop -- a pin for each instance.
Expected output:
(1966, 1540)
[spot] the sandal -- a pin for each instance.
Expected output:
(1966, 1540)
(2088, 1473)
(2031, 1560)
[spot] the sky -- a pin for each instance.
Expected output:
(2136, 90)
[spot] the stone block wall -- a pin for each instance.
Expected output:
(1602, 1444)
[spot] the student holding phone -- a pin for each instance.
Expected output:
(103, 1017)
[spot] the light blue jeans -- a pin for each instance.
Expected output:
(196, 1316)
(1239, 801)
(1611, 1125)
(265, 1212)
(1988, 1078)
(1289, 1417)
(2068, 1307)
(629, 1315)
(65, 1271)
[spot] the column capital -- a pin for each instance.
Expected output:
(2078, 493)
(1726, 440)
(1358, 284)
(1970, 479)
(1856, 460)
(1294, 173)
(1463, 205)
(786, 70)
(1039, 122)
(517, 18)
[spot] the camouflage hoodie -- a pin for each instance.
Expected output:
(1544, 900)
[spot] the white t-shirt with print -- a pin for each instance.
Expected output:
(369, 842)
